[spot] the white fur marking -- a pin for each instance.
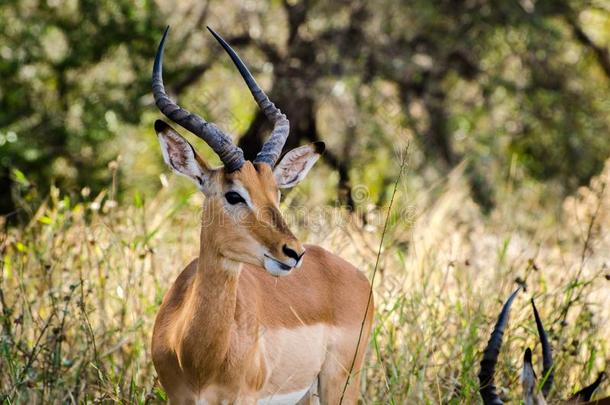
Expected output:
(241, 190)
(289, 398)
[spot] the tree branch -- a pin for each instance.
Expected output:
(601, 53)
(195, 72)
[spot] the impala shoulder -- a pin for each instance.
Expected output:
(333, 262)
(321, 256)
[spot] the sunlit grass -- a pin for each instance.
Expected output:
(82, 280)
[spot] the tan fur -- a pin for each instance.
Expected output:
(231, 332)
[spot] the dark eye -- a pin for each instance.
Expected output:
(234, 198)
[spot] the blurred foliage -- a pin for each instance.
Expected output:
(71, 72)
(502, 102)
(517, 89)
(81, 283)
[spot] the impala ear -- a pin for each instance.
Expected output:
(180, 155)
(295, 164)
(528, 379)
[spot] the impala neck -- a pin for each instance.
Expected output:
(212, 305)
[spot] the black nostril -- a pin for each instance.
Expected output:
(290, 253)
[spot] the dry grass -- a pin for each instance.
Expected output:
(80, 285)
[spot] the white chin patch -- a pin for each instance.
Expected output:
(276, 268)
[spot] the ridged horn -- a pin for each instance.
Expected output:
(231, 155)
(585, 394)
(490, 356)
(548, 371)
(272, 148)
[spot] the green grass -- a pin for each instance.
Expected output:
(81, 283)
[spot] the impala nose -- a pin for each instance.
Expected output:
(292, 253)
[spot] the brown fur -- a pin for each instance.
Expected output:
(325, 290)
(232, 332)
(603, 401)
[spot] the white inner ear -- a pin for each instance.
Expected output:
(180, 156)
(295, 165)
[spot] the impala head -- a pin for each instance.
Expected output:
(242, 197)
(535, 389)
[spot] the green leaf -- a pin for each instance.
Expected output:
(137, 200)
(20, 178)
(45, 220)
(160, 394)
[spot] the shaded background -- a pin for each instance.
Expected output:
(504, 107)
(518, 90)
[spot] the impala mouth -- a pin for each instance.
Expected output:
(282, 265)
(276, 267)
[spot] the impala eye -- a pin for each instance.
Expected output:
(234, 198)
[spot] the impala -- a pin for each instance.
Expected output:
(531, 394)
(257, 317)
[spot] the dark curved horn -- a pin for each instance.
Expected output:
(585, 394)
(490, 356)
(548, 371)
(272, 148)
(230, 155)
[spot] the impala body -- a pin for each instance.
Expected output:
(232, 328)
(533, 394)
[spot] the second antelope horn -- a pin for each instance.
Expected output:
(230, 155)
(585, 394)
(548, 372)
(272, 148)
(490, 356)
